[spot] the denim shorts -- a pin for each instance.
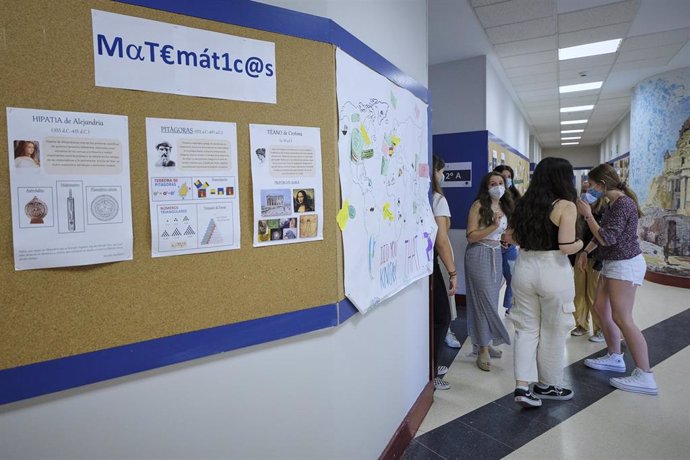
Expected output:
(632, 270)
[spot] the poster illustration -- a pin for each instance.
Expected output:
(288, 186)
(69, 187)
(386, 221)
(193, 187)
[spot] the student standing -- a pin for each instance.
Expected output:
(623, 270)
(543, 224)
(487, 220)
(508, 251)
(443, 251)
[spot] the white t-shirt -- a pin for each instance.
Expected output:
(439, 205)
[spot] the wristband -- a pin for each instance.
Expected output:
(452, 274)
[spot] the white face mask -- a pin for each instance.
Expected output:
(509, 182)
(440, 177)
(497, 192)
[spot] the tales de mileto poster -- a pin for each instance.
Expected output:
(69, 187)
(386, 221)
(287, 182)
(193, 186)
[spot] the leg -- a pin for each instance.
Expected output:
(508, 275)
(441, 316)
(622, 294)
(591, 292)
(602, 307)
(526, 315)
(581, 307)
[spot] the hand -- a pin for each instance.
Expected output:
(581, 261)
(584, 208)
(505, 244)
(497, 218)
(453, 285)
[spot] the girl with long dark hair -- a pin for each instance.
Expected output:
(487, 220)
(623, 270)
(543, 224)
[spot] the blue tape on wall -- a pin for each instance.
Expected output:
(460, 147)
(46, 377)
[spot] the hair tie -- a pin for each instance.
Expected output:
(622, 185)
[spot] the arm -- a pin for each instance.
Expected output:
(474, 233)
(568, 242)
(586, 211)
(444, 252)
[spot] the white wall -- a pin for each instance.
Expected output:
(579, 157)
(535, 152)
(338, 393)
(381, 24)
(617, 143)
(503, 118)
(458, 98)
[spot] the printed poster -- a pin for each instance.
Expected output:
(288, 187)
(387, 224)
(69, 188)
(193, 186)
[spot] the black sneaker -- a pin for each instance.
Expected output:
(526, 399)
(553, 392)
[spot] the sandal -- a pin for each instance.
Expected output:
(484, 361)
(493, 352)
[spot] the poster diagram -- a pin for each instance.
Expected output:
(69, 185)
(193, 186)
(386, 220)
(288, 187)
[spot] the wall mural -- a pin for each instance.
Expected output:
(660, 161)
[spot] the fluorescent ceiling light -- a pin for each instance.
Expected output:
(570, 138)
(590, 49)
(580, 87)
(566, 131)
(573, 122)
(569, 143)
(578, 108)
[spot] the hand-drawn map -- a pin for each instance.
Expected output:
(386, 221)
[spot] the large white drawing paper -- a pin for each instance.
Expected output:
(193, 186)
(287, 183)
(386, 221)
(69, 187)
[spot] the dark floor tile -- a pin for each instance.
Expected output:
(416, 451)
(456, 440)
(511, 427)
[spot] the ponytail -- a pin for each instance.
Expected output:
(623, 187)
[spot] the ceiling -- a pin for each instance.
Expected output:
(521, 39)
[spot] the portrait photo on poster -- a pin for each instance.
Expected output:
(165, 155)
(303, 200)
(26, 154)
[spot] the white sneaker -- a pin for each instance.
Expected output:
(451, 340)
(597, 337)
(608, 362)
(441, 370)
(638, 382)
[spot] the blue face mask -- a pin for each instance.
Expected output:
(509, 182)
(589, 198)
(595, 193)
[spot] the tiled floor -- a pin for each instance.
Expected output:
(478, 419)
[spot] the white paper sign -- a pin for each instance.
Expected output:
(193, 186)
(147, 55)
(386, 220)
(287, 181)
(69, 186)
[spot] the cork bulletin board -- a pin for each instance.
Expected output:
(47, 56)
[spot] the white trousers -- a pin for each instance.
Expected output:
(543, 290)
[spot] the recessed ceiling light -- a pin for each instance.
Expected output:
(570, 138)
(580, 87)
(566, 131)
(573, 122)
(578, 108)
(569, 143)
(590, 49)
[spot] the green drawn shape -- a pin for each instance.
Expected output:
(352, 211)
(384, 166)
(394, 100)
(354, 117)
(356, 144)
(368, 153)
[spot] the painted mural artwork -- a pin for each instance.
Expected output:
(660, 154)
